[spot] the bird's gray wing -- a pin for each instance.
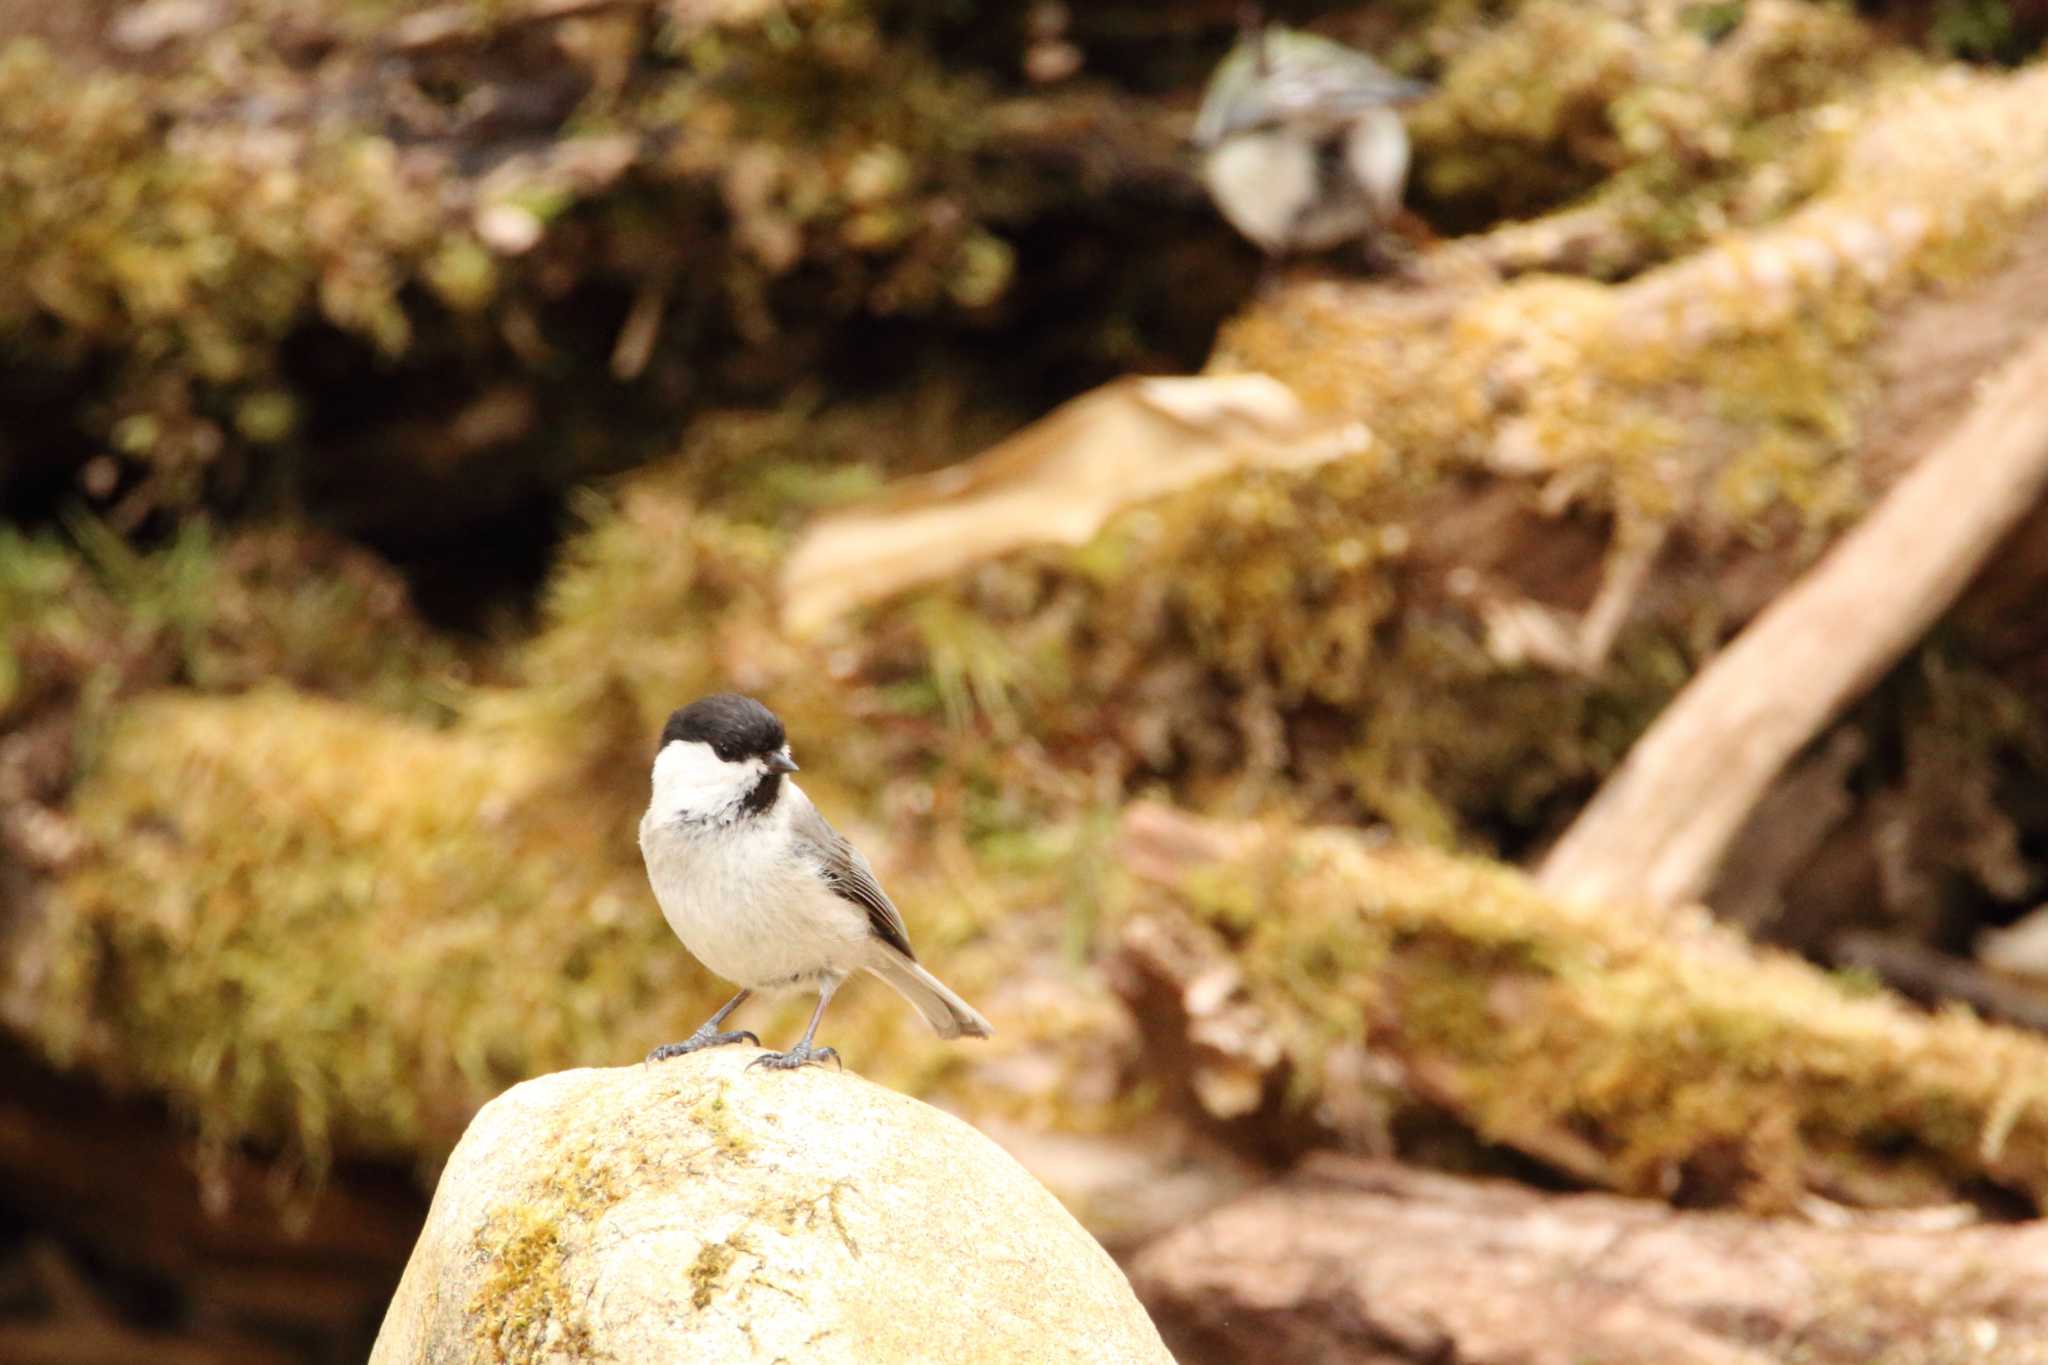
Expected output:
(1334, 81)
(848, 874)
(1302, 79)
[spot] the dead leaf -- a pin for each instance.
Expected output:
(1058, 481)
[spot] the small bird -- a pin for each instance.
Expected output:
(761, 889)
(1301, 139)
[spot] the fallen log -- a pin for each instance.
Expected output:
(1352, 1262)
(1294, 974)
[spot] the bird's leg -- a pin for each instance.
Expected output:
(707, 1034)
(803, 1052)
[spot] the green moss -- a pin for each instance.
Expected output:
(712, 1114)
(91, 620)
(522, 1310)
(341, 925)
(188, 259)
(1987, 30)
(318, 925)
(160, 243)
(1682, 129)
(1658, 1041)
(707, 1272)
(1545, 132)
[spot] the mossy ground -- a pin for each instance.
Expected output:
(216, 611)
(1683, 121)
(453, 896)
(337, 914)
(1684, 1061)
(340, 926)
(355, 957)
(316, 254)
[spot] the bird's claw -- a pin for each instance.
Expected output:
(700, 1040)
(800, 1055)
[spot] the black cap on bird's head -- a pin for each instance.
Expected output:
(736, 727)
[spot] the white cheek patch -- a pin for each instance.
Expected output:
(1377, 150)
(691, 780)
(1261, 181)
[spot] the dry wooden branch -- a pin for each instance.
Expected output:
(1355, 1261)
(1659, 828)
(1524, 630)
(455, 25)
(1923, 972)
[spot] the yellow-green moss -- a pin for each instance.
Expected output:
(335, 927)
(712, 1114)
(189, 259)
(319, 925)
(522, 1310)
(91, 619)
(1657, 1040)
(707, 1272)
(1679, 129)
(162, 238)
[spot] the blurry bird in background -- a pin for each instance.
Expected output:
(1301, 138)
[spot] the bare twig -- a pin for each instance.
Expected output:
(458, 25)
(1521, 630)
(1930, 975)
(640, 331)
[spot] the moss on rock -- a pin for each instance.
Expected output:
(523, 1309)
(92, 621)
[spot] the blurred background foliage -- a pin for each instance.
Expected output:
(407, 404)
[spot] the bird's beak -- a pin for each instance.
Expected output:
(781, 762)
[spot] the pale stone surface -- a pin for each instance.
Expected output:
(696, 1211)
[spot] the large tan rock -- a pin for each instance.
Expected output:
(696, 1211)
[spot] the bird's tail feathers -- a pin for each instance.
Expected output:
(947, 1013)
